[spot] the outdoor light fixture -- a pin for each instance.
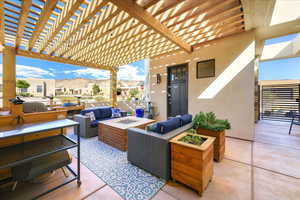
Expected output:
(158, 78)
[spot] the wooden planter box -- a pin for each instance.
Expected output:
(191, 164)
(219, 145)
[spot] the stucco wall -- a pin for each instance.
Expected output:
(234, 102)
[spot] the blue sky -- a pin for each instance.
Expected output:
(280, 69)
(34, 68)
(27, 67)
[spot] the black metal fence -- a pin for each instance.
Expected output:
(279, 101)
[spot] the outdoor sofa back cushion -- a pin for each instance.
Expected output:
(169, 125)
(31, 107)
(185, 119)
(100, 112)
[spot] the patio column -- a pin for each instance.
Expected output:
(9, 75)
(113, 88)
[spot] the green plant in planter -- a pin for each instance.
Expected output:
(192, 130)
(192, 139)
(210, 122)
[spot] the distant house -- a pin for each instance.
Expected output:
(39, 87)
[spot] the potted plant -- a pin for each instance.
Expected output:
(207, 124)
(192, 160)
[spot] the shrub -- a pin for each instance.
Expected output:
(192, 139)
(210, 122)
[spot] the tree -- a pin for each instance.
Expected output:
(96, 89)
(22, 84)
(133, 93)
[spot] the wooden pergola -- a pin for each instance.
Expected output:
(105, 34)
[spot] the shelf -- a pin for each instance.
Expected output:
(20, 153)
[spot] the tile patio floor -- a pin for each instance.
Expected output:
(267, 169)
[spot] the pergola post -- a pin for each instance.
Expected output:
(113, 88)
(9, 75)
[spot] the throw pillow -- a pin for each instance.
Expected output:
(91, 115)
(115, 112)
(152, 127)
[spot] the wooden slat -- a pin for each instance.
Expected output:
(63, 19)
(144, 17)
(48, 8)
(106, 20)
(88, 13)
(2, 23)
(23, 16)
(123, 47)
(31, 54)
(99, 48)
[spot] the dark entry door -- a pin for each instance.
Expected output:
(177, 96)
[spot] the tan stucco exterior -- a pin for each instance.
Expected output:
(234, 102)
(46, 87)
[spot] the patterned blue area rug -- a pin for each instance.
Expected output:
(111, 165)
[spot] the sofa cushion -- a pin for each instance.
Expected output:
(169, 125)
(105, 112)
(100, 112)
(97, 113)
(83, 112)
(185, 119)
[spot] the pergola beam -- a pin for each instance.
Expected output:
(24, 12)
(62, 23)
(146, 18)
(93, 8)
(83, 51)
(2, 23)
(35, 55)
(44, 17)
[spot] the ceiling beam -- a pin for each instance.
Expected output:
(82, 51)
(63, 18)
(146, 18)
(35, 55)
(278, 30)
(2, 41)
(23, 16)
(123, 46)
(88, 13)
(90, 32)
(44, 17)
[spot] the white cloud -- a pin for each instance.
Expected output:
(25, 71)
(129, 72)
(96, 73)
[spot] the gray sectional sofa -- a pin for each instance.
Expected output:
(151, 150)
(89, 128)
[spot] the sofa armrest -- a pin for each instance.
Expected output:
(84, 122)
(149, 153)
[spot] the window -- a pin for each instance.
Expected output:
(39, 88)
(24, 90)
(206, 68)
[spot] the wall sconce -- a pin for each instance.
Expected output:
(158, 78)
